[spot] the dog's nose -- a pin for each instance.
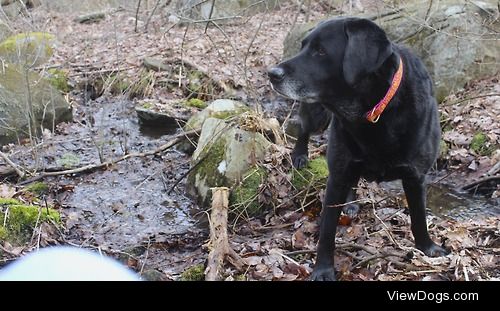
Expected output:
(276, 73)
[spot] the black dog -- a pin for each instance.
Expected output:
(351, 68)
(314, 118)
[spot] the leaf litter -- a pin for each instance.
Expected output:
(376, 243)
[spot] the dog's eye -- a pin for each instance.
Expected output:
(321, 51)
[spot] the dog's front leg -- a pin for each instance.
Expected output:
(416, 196)
(336, 193)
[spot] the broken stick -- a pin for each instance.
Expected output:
(219, 241)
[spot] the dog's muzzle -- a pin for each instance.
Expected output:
(276, 74)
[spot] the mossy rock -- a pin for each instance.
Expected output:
(481, 145)
(30, 49)
(220, 109)
(206, 175)
(314, 175)
(20, 219)
(196, 103)
(90, 18)
(244, 197)
(46, 104)
(68, 160)
(156, 64)
(59, 79)
(194, 273)
(37, 188)
(223, 155)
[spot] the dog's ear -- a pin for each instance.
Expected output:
(366, 50)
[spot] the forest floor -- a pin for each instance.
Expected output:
(134, 211)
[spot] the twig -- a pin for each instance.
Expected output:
(145, 257)
(91, 167)
(210, 16)
(300, 252)
(14, 165)
(84, 73)
(153, 13)
(480, 181)
(219, 241)
(187, 173)
(137, 14)
(284, 256)
(382, 253)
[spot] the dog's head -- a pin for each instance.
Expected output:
(335, 57)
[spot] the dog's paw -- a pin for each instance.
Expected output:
(323, 274)
(351, 210)
(434, 250)
(299, 160)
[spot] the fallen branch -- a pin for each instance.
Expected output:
(12, 164)
(380, 254)
(480, 181)
(219, 241)
(92, 167)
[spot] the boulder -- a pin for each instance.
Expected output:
(224, 155)
(456, 39)
(90, 18)
(30, 49)
(220, 109)
(28, 100)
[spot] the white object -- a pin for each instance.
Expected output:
(63, 263)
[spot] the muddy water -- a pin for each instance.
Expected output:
(460, 205)
(445, 201)
(126, 204)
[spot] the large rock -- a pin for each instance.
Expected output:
(458, 43)
(30, 49)
(220, 109)
(28, 100)
(201, 9)
(224, 155)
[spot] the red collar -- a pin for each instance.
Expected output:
(374, 114)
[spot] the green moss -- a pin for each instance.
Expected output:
(195, 81)
(480, 145)
(68, 160)
(443, 149)
(314, 174)
(244, 196)
(194, 273)
(5, 201)
(142, 86)
(23, 218)
(208, 169)
(147, 105)
(240, 277)
(32, 48)
(117, 84)
(3, 233)
(20, 219)
(37, 188)
(197, 103)
(59, 79)
(224, 115)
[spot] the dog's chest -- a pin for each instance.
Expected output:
(380, 161)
